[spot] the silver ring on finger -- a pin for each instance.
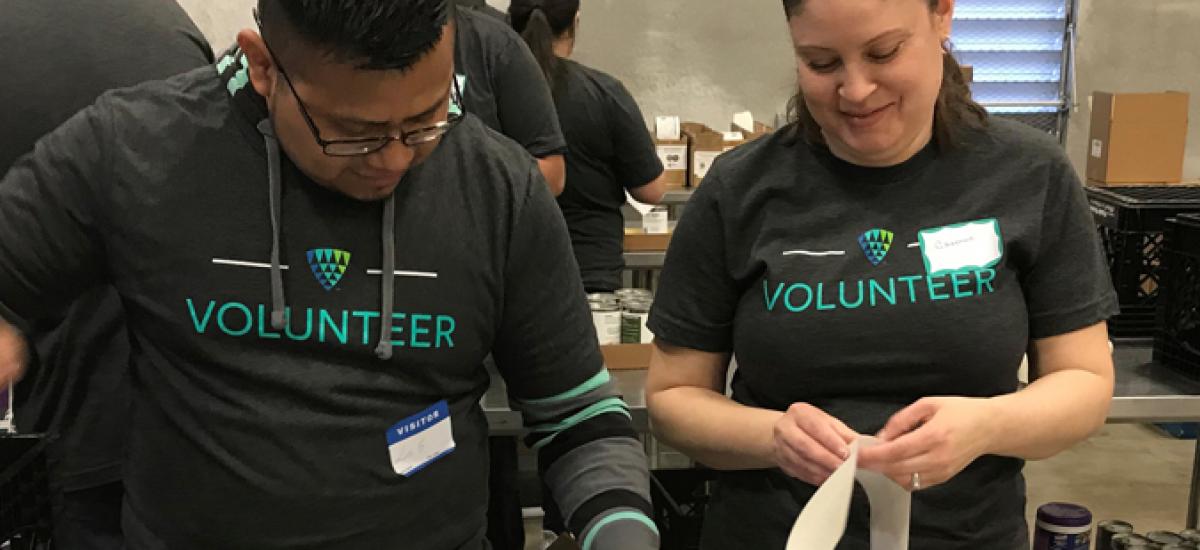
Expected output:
(915, 481)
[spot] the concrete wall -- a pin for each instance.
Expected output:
(706, 59)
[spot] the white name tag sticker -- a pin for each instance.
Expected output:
(966, 246)
(421, 439)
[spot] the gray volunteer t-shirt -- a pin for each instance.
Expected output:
(861, 290)
(502, 84)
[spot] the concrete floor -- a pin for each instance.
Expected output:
(1126, 471)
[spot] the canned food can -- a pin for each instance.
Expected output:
(1164, 538)
(1063, 526)
(606, 317)
(1129, 541)
(1190, 535)
(635, 311)
(1106, 530)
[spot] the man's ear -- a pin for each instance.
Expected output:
(261, 64)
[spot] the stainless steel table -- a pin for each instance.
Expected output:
(1145, 392)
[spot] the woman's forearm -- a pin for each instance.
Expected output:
(713, 429)
(1051, 414)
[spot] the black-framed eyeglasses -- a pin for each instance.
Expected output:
(364, 146)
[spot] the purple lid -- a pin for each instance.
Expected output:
(1064, 514)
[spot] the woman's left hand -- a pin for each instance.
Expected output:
(935, 438)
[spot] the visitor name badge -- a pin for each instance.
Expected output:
(965, 246)
(421, 439)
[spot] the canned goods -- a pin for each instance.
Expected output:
(1190, 535)
(626, 294)
(606, 317)
(635, 311)
(1164, 538)
(1106, 530)
(1063, 526)
(1181, 546)
(1130, 541)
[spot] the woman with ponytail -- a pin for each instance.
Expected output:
(879, 267)
(609, 149)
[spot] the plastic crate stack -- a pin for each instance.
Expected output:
(1131, 222)
(24, 492)
(1177, 342)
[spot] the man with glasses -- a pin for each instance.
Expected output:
(315, 262)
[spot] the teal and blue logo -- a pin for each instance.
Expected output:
(875, 244)
(328, 266)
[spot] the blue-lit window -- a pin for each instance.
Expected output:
(1019, 52)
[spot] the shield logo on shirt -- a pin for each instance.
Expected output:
(875, 244)
(328, 265)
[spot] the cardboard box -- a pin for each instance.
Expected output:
(674, 156)
(706, 145)
(637, 240)
(1137, 138)
(627, 356)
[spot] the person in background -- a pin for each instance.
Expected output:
(315, 256)
(609, 149)
(501, 84)
(880, 266)
(57, 58)
(482, 7)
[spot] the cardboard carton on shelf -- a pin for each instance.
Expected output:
(672, 148)
(637, 240)
(1137, 138)
(706, 146)
(627, 356)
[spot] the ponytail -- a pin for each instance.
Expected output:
(539, 35)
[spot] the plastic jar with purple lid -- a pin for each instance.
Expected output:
(1063, 526)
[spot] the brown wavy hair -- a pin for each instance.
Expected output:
(953, 113)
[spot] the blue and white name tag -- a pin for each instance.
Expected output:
(421, 439)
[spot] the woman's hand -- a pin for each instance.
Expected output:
(810, 444)
(12, 354)
(935, 438)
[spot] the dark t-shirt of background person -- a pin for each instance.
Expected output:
(502, 84)
(609, 150)
(482, 7)
(860, 290)
(57, 58)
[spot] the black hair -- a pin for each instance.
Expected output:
(954, 112)
(540, 23)
(371, 34)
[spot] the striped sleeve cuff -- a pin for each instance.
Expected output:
(620, 529)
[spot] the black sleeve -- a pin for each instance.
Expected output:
(636, 162)
(697, 297)
(1068, 287)
(50, 249)
(523, 101)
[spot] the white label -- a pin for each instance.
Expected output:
(961, 247)
(666, 127)
(1097, 148)
(734, 136)
(608, 327)
(702, 161)
(744, 120)
(421, 439)
(673, 157)
(655, 222)
(647, 336)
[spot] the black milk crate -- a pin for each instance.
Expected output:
(1131, 222)
(24, 491)
(1177, 342)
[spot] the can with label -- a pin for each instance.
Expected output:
(1106, 530)
(1190, 535)
(1130, 541)
(1163, 538)
(606, 317)
(1063, 526)
(635, 311)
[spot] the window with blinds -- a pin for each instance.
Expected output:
(1021, 52)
